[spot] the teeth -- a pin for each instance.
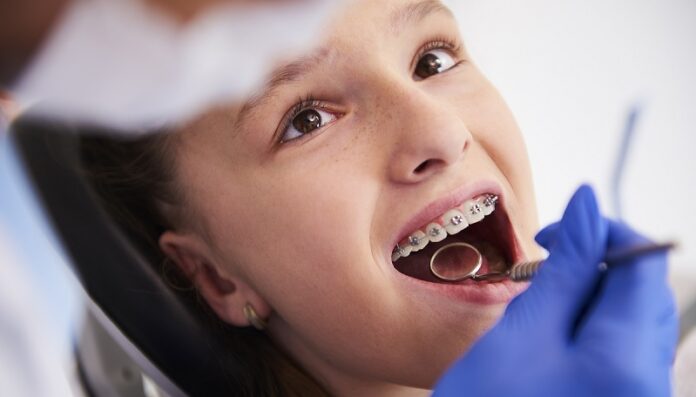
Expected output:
(436, 232)
(473, 211)
(401, 251)
(418, 241)
(487, 204)
(454, 221)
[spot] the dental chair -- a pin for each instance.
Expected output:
(140, 338)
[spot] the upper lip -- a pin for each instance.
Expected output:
(439, 206)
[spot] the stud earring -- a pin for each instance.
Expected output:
(253, 318)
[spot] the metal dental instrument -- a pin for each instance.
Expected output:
(525, 271)
(444, 271)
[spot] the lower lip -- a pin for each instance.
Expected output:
(471, 291)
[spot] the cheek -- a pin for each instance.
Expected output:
(494, 128)
(490, 121)
(308, 253)
(492, 125)
(298, 230)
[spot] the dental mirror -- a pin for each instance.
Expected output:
(456, 262)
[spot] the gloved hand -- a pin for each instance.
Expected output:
(578, 331)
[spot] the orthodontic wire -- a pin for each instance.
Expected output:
(488, 201)
(627, 138)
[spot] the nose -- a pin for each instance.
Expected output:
(428, 137)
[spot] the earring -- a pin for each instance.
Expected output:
(253, 318)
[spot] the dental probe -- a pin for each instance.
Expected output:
(525, 271)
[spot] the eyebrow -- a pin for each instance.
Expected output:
(283, 75)
(413, 12)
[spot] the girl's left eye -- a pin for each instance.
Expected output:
(305, 122)
(434, 62)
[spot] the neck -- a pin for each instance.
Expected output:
(337, 380)
(342, 386)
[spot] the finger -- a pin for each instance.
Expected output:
(568, 277)
(547, 235)
(635, 308)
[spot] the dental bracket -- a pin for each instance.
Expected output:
(414, 241)
(475, 209)
(490, 201)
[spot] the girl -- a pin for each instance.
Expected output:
(310, 212)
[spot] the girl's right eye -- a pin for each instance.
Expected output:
(434, 62)
(305, 122)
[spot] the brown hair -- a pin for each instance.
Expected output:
(135, 181)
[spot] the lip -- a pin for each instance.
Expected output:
(470, 291)
(467, 290)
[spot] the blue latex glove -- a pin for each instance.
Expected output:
(578, 331)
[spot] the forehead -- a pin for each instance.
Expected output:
(360, 22)
(385, 16)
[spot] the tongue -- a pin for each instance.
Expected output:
(417, 264)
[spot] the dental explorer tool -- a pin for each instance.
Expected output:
(525, 271)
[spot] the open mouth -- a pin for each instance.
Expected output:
(481, 222)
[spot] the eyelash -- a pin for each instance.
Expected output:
(440, 43)
(304, 103)
(309, 102)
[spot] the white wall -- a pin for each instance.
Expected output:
(570, 72)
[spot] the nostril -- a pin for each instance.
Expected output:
(424, 166)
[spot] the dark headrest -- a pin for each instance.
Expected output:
(164, 327)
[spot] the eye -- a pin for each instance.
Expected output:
(306, 121)
(434, 62)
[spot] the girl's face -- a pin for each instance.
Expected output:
(301, 194)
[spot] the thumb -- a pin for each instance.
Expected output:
(547, 235)
(568, 277)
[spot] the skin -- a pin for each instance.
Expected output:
(298, 229)
(24, 24)
(9, 109)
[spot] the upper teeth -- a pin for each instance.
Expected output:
(452, 222)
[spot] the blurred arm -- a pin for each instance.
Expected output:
(139, 64)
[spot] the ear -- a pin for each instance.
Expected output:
(224, 292)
